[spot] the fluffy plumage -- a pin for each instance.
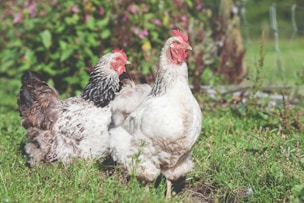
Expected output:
(158, 136)
(128, 99)
(60, 130)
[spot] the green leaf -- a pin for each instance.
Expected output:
(75, 17)
(55, 56)
(72, 20)
(5, 66)
(148, 16)
(91, 39)
(145, 67)
(89, 53)
(150, 26)
(46, 38)
(189, 3)
(60, 28)
(154, 35)
(8, 61)
(68, 20)
(63, 45)
(66, 54)
(49, 68)
(51, 82)
(105, 34)
(166, 20)
(30, 57)
(91, 23)
(103, 23)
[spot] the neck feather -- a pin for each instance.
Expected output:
(101, 88)
(168, 74)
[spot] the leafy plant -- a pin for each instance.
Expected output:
(63, 43)
(257, 80)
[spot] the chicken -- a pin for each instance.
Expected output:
(77, 127)
(158, 136)
(127, 99)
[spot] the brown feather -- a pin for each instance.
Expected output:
(37, 102)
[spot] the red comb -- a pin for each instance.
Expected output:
(179, 33)
(121, 52)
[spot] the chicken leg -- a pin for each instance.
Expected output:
(169, 186)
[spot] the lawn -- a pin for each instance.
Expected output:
(240, 156)
(284, 66)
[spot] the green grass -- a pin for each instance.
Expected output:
(283, 67)
(236, 152)
(233, 153)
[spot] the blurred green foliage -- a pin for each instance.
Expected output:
(61, 39)
(257, 17)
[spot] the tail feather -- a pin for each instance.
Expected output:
(37, 102)
(25, 99)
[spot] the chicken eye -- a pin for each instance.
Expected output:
(118, 59)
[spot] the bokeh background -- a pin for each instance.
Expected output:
(63, 39)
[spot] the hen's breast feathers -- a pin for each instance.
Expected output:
(170, 116)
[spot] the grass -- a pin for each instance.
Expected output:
(248, 152)
(235, 154)
(239, 157)
(282, 67)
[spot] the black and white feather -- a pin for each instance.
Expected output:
(102, 86)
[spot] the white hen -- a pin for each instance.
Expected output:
(158, 136)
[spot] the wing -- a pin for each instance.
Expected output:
(128, 99)
(80, 118)
(81, 130)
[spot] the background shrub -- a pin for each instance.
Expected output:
(62, 43)
(63, 39)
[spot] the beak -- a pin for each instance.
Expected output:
(188, 47)
(127, 62)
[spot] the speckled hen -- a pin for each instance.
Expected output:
(77, 127)
(158, 136)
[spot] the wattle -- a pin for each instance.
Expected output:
(177, 56)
